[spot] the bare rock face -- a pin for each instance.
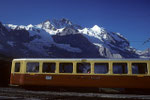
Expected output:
(62, 39)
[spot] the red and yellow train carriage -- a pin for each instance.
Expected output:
(105, 73)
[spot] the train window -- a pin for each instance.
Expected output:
(100, 68)
(32, 67)
(120, 68)
(139, 68)
(65, 67)
(17, 67)
(83, 68)
(48, 67)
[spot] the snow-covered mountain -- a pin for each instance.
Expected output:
(144, 54)
(62, 38)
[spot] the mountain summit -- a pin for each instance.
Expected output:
(63, 39)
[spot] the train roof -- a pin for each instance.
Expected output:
(82, 59)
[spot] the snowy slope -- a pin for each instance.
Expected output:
(44, 31)
(109, 41)
(62, 38)
(144, 54)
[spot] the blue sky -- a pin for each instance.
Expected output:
(131, 18)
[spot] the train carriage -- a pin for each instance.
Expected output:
(105, 73)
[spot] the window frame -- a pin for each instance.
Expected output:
(147, 68)
(32, 62)
(66, 63)
(102, 63)
(15, 67)
(90, 65)
(49, 72)
(121, 67)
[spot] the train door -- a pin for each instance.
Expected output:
(16, 73)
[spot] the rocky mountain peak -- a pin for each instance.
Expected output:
(47, 25)
(67, 21)
(48, 33)
(46, 22)
(62, 23)
(55, 24)
(96, 28)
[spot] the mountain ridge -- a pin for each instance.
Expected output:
(50, 38)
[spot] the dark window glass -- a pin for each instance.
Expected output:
(101, 68)
(120, 68)
(17, 67)
(65, 67)
(49, 67)
(32, 67)
(83, 68)
(139, 68)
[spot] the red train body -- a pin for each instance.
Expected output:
(108, 78)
